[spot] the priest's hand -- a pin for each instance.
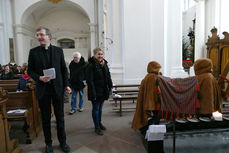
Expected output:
(45, 78)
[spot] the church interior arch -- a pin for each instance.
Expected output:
(66, 20)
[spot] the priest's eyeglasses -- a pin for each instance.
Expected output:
(40, 35)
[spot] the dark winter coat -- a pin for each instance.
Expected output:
(98, 80)
(8, 76)
(22, 84)
(37, 63)
(77, 74)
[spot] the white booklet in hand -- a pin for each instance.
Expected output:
(50, 72)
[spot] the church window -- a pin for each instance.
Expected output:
(66, 43)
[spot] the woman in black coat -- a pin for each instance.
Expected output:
(99, 86)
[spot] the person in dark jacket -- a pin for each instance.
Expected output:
(99, 86)
(49, 88)
(7, 74)
(21, 86)
(18, 70)
(77, 76)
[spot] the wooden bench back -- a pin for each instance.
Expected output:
(125, 86)
(22, 100)
(17, 76)
(14, 81)
(126, 89)
(9, 87)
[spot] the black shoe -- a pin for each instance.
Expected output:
(65, 148)
(48, 149)
(98, 131)
(102, 127)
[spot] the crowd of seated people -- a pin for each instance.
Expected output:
(8, 71)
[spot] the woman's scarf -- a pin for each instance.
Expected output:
(102, 63)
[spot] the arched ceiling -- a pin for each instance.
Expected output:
(42, 8)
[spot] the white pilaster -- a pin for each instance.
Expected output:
(173, 39)
(23, 34)
(19, 54)
(93, 36)
(157, 32)
(212, 18)
(114, 33)
(200, 50)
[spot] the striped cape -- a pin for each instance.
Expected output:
(178, 95)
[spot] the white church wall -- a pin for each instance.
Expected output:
(72, 25)
(136, 50)
(224, 22)
(65, 19)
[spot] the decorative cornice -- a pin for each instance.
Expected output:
(24, 29)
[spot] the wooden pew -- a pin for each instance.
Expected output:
(17, 76)
(125, 92)
(14, 81)
(126, 89)
(25, 100)
(124, 98)
(125, 86)
(6, 145)
(9, 87)
(22, 100)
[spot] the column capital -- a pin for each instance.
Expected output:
(92, 27)
(24, 29)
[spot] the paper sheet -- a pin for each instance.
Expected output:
(17, 111)
(50, 72)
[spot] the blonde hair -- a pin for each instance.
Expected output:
(96, 50)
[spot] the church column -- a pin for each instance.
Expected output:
(93, 36)
(6, 30)
(200, 30)
(19, 49)
(3, 60)
(173, 39)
